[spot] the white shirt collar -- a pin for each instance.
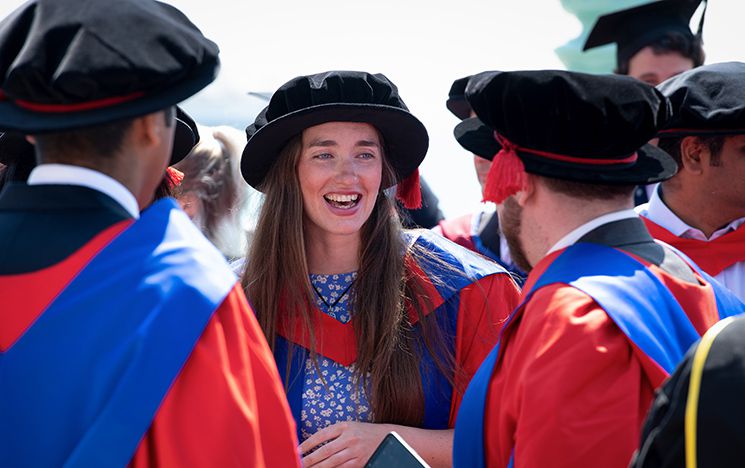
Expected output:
(577, 234)
(65, 174)
(658, 212)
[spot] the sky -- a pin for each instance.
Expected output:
(422, 46)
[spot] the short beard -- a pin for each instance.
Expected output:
(510, 222)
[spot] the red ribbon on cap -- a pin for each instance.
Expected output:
(409, 191)
(506, 176)
(79, 106)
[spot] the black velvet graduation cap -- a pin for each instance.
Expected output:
(475, 136)
(457, 102)
(708, 100)
(569, 125)
(338, 96)
(635, 28)
(14, 146)
(67, 64)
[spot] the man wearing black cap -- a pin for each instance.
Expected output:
(654, 40)
(606, 312)
(701, 210)
(477, 231)
(123, 335)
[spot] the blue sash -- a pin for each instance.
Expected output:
(81, 387)
(637, 302)
(437, 389)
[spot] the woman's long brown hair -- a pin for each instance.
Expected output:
(389, 349)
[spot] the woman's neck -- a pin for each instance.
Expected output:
(332, 254)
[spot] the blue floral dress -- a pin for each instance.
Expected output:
(330, 392)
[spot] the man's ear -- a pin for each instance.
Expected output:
(529, 190)
(149, 129)
(692, 155)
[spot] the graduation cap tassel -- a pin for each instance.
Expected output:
(174, 177)
(409, 191)
(506, 176)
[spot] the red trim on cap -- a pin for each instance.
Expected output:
(701, 130)
(507, 174)
(80, 106)
(562, 157)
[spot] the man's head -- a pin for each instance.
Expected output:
(654, 40)
(706, 135)
(573, 146)
(96, 95)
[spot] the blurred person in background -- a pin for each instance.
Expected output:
(479, 230)
(214, 194)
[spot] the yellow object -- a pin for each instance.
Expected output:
(694, 388)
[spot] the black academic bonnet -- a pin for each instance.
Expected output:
(457, 102)
(708, 100)
(476, 137)
(635, 28)
(335, 96)
(185, 137)
(67, 64)
(575, 126)
(14, 146)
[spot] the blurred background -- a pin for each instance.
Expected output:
(421, 45)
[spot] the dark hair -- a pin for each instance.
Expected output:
(689, 47)
(588, 190)
(715, 143)
(103, 140)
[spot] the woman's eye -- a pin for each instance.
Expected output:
(323, 156)
(367, 156)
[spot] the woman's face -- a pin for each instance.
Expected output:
(340, 170)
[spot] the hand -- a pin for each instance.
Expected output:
(348, 444)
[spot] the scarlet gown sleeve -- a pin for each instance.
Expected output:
(227, 407)
(483, 309)
(571, 391)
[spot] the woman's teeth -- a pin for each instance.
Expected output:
(342, 201)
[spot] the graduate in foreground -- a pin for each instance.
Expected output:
(124, 337)
(374, 328)
(606, 312)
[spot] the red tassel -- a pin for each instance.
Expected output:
(409, 192)
(174, 177)
(507, 174)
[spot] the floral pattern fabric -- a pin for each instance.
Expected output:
(330, 391)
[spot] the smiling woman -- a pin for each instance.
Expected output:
(373, 328)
